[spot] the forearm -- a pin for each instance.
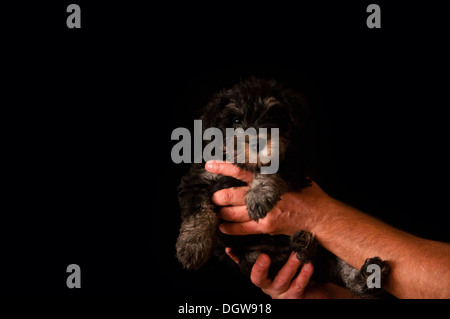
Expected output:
(419, 268)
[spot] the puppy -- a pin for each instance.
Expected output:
(257, 103)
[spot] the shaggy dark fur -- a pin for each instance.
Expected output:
(260, 103)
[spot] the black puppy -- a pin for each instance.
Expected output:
(257, 104)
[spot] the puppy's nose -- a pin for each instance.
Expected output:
(261, 142)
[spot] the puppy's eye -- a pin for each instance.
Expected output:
(237, 121)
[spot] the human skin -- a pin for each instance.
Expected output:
(286, 285)
(420, 268)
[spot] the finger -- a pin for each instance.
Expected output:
(228, 169)
(234, 214)
(283, 279)
(230, 196)
(260, 271)
(299, 284)
(245, 228)
(230, 253)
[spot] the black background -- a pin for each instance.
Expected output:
(88, 115)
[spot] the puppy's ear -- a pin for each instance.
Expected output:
(212, 111)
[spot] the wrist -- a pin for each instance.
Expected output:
(323, 211)
(316, 208)
(306, 209)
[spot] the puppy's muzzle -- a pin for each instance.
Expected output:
(254, 145)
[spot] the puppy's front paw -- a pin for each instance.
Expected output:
(265, 191)
(260, 203)
(384, 267)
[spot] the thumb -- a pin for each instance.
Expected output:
(246, 228)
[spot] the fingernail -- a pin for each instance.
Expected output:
(214, 198)
(263, 261)
(209, 165)
(308, 267)
(222, 228)
(294, 256)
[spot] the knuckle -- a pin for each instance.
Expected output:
(227, 213)
(299, 284)
(279, 282)
(232, 213)
(225, 196)
(268, 223)
(298, 287)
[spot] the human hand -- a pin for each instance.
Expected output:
(293, 212)
(286, 285)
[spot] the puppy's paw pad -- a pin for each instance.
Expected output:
(384, 267)
(304, 244)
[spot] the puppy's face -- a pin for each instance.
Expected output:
(253, 109)
(254, 120)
